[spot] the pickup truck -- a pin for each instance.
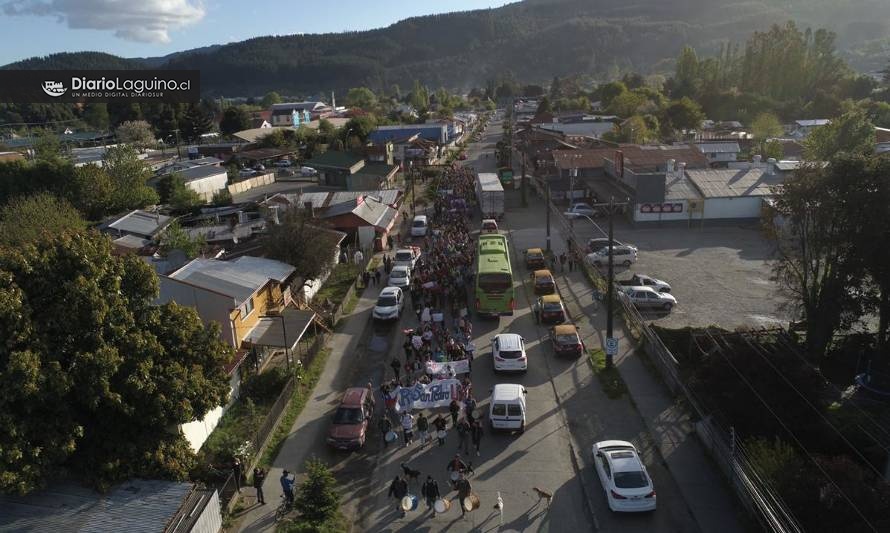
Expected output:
(642, 280)
(647, 297)
(407, 257)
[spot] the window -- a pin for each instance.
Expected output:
(490, 282)
(631, 480)
(247, 308)
(605, 464)
(498, 409)
(514, 410)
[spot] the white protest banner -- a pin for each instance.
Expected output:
(459, 367)
(438, 393)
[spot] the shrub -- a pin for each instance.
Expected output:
(317, 500)
(265, 387)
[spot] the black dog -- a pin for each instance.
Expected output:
(410, 473)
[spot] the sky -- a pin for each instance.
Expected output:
(144, 28)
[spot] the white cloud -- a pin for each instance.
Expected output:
(148, 21)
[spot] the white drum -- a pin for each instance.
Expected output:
(409, 503)
(442, 434)
(391, 436)
(442, 505)
(455, 475)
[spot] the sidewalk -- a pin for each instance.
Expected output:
(310, 427)
(705, 492)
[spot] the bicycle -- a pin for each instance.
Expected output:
(284, 508)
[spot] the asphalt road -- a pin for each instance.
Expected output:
(567, 412)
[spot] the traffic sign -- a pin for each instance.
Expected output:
(612, 346)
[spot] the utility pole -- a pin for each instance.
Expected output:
(610, 296)
(548, 216)
(524, 184)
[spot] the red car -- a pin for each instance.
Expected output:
(350, 425)
(566, 340)
(549, 309)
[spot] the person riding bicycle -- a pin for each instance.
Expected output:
(287, 486)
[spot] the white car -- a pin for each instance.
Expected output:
(642, 280)
(508, 353)
(597, 244)
(407, 257)
(246, 172)
(580, 209)
(389, 304)
(643, 297)
(259, 167)
(400, 276)
(419, 226)
(308, 171)
(625, 481)
(621, 255)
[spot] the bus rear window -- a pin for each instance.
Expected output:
(494, 282)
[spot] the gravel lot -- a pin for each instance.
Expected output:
(719, 275)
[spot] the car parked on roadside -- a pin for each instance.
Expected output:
(246, 172)
(623, 476)
(308, 171)
(597, 244)
(390, 303)
(349, 427)
(508, 353)
(580, 209)
(549, 309)
(566, 341)
(647, 297)
(621, 255)
(259, 167)
(642, 280)
(281, 163)
(543, 282)
(534, 259)
(400, 276)
(407, 257)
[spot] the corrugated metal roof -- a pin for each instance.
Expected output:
(140, 222)
(387, 196)
(137, 506)
(719, 148)
(584, 158)
(200, 172)
(812, 122)
(236, 279)
(677, 187)
(269, 331)
(731, 183)
(372, 212)
(339, 209)
(131, 241)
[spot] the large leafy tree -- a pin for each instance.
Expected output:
(361, 97)
(684, 114)
(301, 244)
(41, 216)
(96, 378)
(129, 175)
(234, 119)
(851, 133)
(195, 122)
(765, 127)
(137, 133)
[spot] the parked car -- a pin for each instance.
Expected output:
(281, 163)
(508, 353)
(647, 297)
(259, 167)
(642, 280)
(566, 340)
(623, 476)
(390, 303)
(350, 425)
(544, 282)
(489, 225)
(621, 255)
(581, 209)
(507, 408)
(246, 172)
(595, 245)
(308, 171)
(534, 259)
(407, 257)
(549, 309)
(419, 226)
(400, 276)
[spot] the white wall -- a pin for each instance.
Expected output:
(196, 432)
(740, 207)
(210, 520)
(211, 307)
(207, 187)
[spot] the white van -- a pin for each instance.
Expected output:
(507, 410)
(419, 226)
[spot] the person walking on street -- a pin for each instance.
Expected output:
(477, 435)
(287, 487)
(385, 426)
(562, 262)
(454, 408)
(366, 278)
(440, 425)
(463, 492)
(359, 257)
(398, 489)
(237, 472)
(396, 367)
(456, 465)
(259, 477)
(408, 427)
(423, 427)
(463, 432)
(377, 277)
(430, 492)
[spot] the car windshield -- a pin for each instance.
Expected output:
(511, 354)
(398, 274)
(631, 480)
(348, 415)
(544, 280)
(552, 307)
(494, 282)
(419, 223)
(386, 301)
(403, 256)
(514, 410)
(567, 340)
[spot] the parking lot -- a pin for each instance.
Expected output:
(719, 275)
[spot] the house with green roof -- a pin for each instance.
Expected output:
(350, 171)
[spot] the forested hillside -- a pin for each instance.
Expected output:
(532, 40)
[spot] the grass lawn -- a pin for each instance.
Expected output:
(342, 277)
(238, 425)
(610, 379)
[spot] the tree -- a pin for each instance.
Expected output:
(317, 500)
(195, 123)
(96, 116)
(92, 191)
(173, 190)
(326, 128)
(850, 133)
(544, 106)
(234, 119)
(301, 244)
(765, 127)
(271, 98)
(609, 91)
(361, 97)
(175, 237)
(129, 175)
(555, 89)
(87, 353)
(137, 133)
(684, 114)
(686, 77)
(47, 146)
(359, 127)
(634, 130)
(41, 216)
(626, 104)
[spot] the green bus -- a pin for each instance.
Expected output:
(505, 174)
(494, 277)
